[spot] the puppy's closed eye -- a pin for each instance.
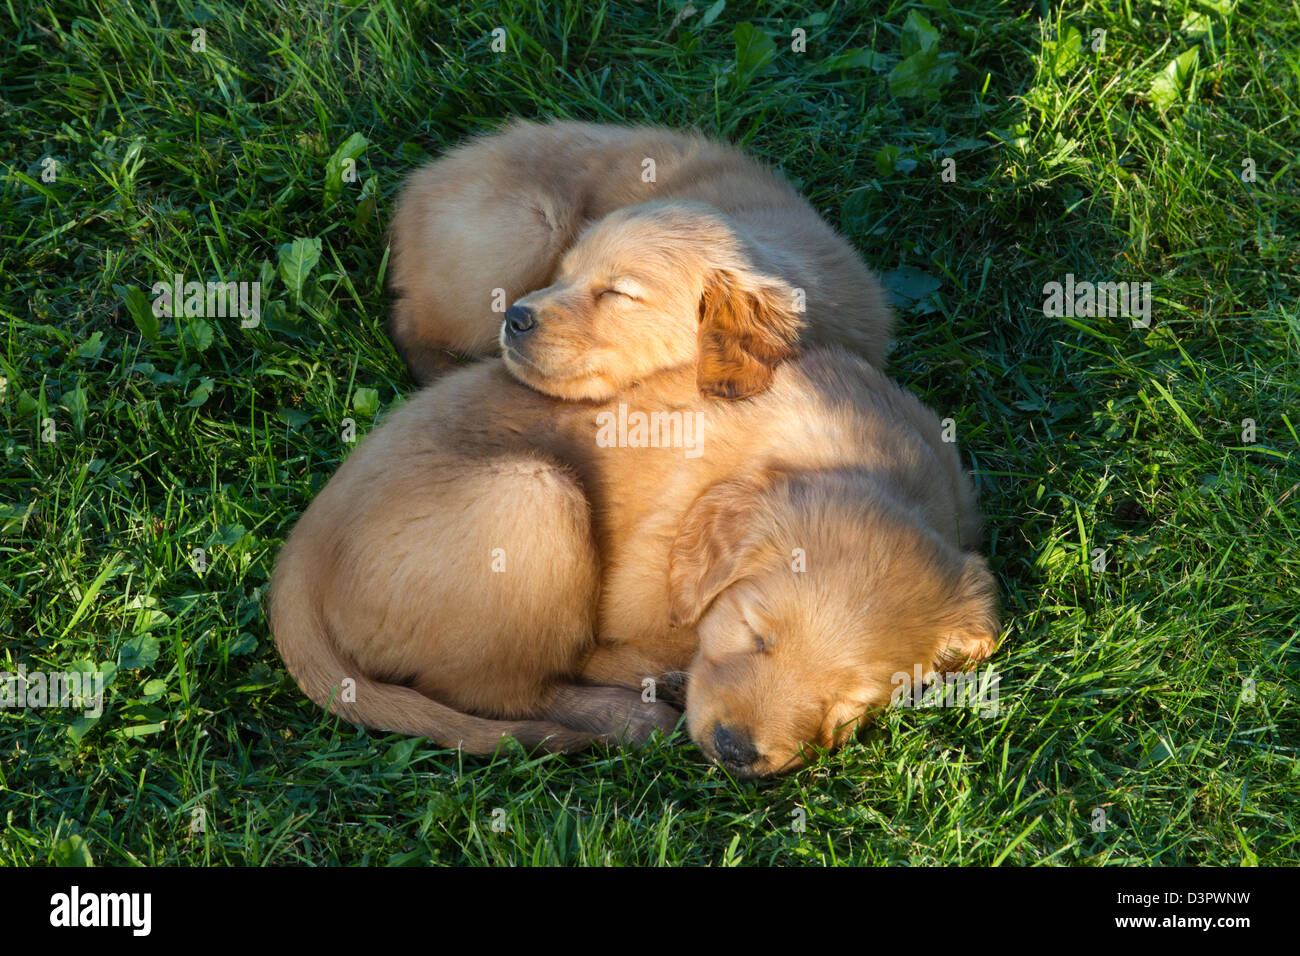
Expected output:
(624, 288)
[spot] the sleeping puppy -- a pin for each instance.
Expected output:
(509, 558)
(684, 279)
(491, 220)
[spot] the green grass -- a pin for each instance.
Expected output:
(1125, 690)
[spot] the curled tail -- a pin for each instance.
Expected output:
(320, 669)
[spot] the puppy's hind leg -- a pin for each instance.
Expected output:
(617, 713)
(465, 244)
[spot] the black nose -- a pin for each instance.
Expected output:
(734, 748)
(520, 319)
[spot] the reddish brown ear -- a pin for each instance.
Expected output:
(970, 625)
(748, 326)
(718, 534)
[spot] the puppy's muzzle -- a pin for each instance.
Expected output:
(520, 320)
(735, 750)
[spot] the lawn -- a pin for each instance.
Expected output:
(1140, 473)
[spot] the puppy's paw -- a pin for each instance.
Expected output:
(644, 718)
(671, 687)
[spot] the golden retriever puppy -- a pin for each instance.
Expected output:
(680, 277)
(491, 220)
(501, 558)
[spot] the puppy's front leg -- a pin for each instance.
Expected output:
(625, 665)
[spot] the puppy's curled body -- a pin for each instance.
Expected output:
(445, 543)
(489, 222)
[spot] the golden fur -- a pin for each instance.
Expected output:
(491, 220)
(489, 562)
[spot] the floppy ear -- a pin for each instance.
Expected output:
(718, 534)
(970, 623)
(748, 326)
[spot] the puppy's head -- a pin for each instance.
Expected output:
(650, 288)
(810, 594)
